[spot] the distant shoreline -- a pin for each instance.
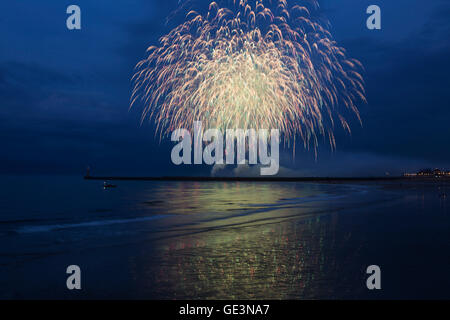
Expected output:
(246, 179)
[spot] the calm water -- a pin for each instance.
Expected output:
(185, 240)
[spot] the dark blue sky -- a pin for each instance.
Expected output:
(65, 94)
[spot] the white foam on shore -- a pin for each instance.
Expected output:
(46, 228)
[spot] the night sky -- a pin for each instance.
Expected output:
(65, 94)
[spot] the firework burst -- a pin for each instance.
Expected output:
(250, 64)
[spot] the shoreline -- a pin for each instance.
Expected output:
(263, 179)
(239, 179)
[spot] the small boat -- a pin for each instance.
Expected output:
(107, 185)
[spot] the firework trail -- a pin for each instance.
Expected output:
(250, 64)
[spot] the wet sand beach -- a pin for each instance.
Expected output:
(224, 240)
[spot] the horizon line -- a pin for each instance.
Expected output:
(243, 179)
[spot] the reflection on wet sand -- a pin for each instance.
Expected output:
(281, 250)
(217, 197)
(182, 240)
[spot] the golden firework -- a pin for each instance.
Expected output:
(250, 64)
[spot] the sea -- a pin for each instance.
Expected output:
(223, 240)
